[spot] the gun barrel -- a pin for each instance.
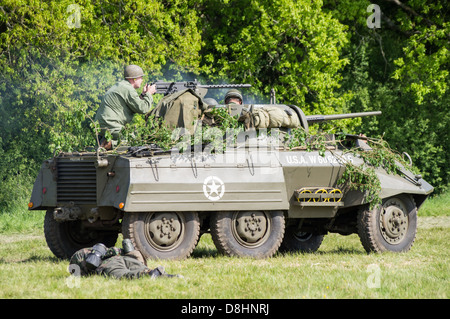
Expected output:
(224, 86)
(172, 87)
(323, 118)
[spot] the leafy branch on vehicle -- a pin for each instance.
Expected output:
(222, 129)
(355, 177)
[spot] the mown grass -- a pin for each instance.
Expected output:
(339, 269)
(438, 205)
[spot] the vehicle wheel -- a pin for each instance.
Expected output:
(166, 235)
(389, 227)
(295, 240)
(256, 234)
(65, 238)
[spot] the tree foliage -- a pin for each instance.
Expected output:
(291, 46)
(401, 69)
(57, 58)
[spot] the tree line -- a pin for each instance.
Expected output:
(58, 58)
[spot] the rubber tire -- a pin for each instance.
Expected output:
(307, 243)
(226, 243)
(134, 228)
(370, 233)
(60, 236)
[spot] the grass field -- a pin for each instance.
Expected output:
(339, 269)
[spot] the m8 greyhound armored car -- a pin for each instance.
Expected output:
(254, 199)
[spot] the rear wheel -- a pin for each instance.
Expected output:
(295, 240)
(65, 238)
(256, 234)
(166, 235)
(389, 227)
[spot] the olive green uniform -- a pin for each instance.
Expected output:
(122, 267)
(118, 107)
(115, 263)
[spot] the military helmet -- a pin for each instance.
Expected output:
(210, 101)
(233, 93)
(133, 72)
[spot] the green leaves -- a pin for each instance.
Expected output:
(319, 55)
(143, 131)
(354, 177)
(55, 67)
(402, 70)
(292, 46)
(364, 177)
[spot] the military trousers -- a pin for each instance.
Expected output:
(122, 267)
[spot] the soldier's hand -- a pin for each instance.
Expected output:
(149, 89)
(145, 89)
(152, 89)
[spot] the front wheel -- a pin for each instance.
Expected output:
(165, 235)
(389, 227)
(256, 234)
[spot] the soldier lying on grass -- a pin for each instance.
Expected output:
(115, 262)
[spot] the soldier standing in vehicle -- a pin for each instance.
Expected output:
(233, 96)
(121, 102)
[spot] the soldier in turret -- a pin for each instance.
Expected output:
(121, 102)
(233, 96)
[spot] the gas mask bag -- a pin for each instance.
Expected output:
(94, 258)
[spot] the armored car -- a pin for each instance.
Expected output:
(255, 199)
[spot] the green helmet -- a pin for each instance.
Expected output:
(210, 101)
(233, 93)
(133, 72)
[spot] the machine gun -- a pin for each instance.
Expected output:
(167, 88)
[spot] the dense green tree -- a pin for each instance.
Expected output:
(401, 68)
(57, 58)
(291, 46)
